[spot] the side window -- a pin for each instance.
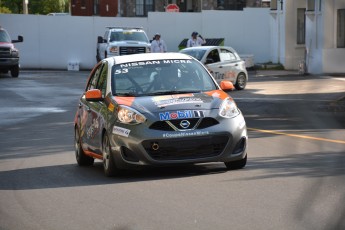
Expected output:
(102, 83)
(213, 57)
(94, 78)
(227, 55)
(106, 34)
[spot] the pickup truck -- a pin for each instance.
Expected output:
(9, 55)
(122, 41)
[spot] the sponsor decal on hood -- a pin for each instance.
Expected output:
(174, 103)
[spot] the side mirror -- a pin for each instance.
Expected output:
(20, 39)
(93, 95)
(226, 86)
(100, 39)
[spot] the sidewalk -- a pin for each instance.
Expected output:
(262, 73)
(275, 72)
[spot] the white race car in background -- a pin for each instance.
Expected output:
(223, 62)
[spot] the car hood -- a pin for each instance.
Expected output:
(190, 101)
(132, 43)
(6, 45)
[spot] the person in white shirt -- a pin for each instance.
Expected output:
(196, 40)
(158, 45)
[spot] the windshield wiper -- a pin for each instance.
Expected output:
(172, 92)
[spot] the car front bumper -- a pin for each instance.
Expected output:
(223, 142)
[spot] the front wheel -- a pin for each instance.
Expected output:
(15, 71)
(109, 166)
(241, 81)
(232, 165)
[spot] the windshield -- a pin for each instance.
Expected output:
(4, 37)
(128, 36)
(198, 54)
(160, 77)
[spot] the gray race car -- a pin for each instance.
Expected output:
(157, 109)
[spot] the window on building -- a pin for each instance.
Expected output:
(341, 28)
(274, 5)
(320, 5)
(142, 7)
(230, 4)
(83, 3)
(311, 5)
(96, 7)
(301, 26)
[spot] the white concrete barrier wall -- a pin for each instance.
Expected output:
(53, 42)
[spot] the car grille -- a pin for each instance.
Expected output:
(195, 123)
(5, 51)
(186, 148)
(132, 50)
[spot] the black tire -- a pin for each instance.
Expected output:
(241, 81)
(15, 71)
(233, 165)
(82, 159)
(109, 165)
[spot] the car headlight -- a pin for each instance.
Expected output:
(14, 53)
(228, 109)
(113, 49)
(128, 115)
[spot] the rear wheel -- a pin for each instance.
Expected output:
(82, 159)
(236, 164)
(241, 81)
(108, 159)
(15, 71)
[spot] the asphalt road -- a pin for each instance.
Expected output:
(294, 178)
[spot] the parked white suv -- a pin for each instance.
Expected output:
(122, 41)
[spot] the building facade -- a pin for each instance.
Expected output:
(309, 33)
(140, 8)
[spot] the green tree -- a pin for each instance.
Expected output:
(36, 6)
(5, 10)
(48, 6)
(14, 6)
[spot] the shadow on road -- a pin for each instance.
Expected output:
(71, 175)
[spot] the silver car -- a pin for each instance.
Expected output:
(157, 109)
(223, 62)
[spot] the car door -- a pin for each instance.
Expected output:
(215, 65)
(93, 111)
(223, 66)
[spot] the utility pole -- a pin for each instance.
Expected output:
(25, 6)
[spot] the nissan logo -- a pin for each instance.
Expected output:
(184, 124)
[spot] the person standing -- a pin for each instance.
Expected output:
(158, 45)
(195, 40)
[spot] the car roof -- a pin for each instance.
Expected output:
(206, 47)
(120, 28)
(149, 57)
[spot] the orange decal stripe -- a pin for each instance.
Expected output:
(125, 100)
(217, 93)
(92, 154)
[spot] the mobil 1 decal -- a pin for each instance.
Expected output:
(182, 114)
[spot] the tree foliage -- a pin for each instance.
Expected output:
(35, 6)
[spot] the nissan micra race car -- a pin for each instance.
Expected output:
(157, 109)
(223, 62)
